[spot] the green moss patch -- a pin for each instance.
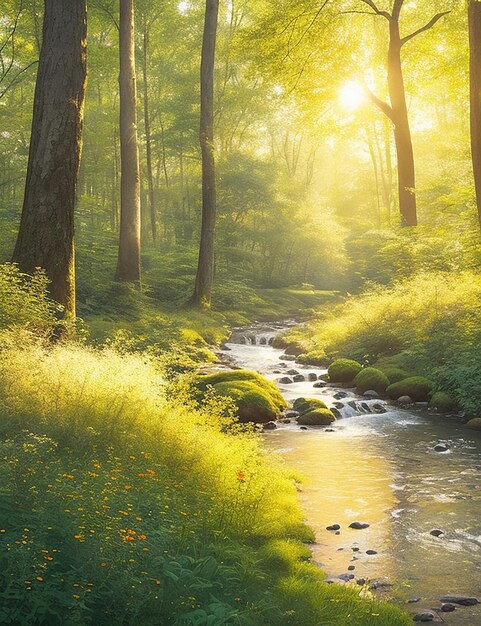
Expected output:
(316, 417)
(442, 402)
(308, 404)
(417, 388)
(343, 370)
(371, 378)
(395, 374)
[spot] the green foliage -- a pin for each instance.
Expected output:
(252, 402)
(343, 370)
(24, 300)
(417, 388)
(316, 417)
(371, 378)
(442, 402)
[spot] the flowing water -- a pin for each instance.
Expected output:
(382, 469)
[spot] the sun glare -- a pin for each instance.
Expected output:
(352, 95)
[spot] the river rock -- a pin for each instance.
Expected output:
(329, 430)
(303, 427)
(371, 552)
(291, 413)
(462, 600)
(270, 426)
(312, 377)
(365, 407)
(340, 395)
(285, 420)
(346, 577)
(285, 380)
(287, 357)
(292, 372)
(424, 616)
(448, 608)
(371, 394)
(436, 532)
(405, 400)
(361, 581)
(339, 405)
(351, 568)
(441, 447)
(337, 413)
(333, 527)
(355, 549)
(413, 600)
(319, 384)
(225, 348)
(378, 408)
(359, 525)
(299, 378)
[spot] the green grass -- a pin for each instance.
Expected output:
(122, 506)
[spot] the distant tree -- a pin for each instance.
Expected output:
(128, 264)
(46, 234)
(474, 18)
(205, 268)
(397, 110)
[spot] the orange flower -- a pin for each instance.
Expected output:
(103, 564)
(39, 578)
(240, 476)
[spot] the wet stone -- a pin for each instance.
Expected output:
(462, 600)
(441, 447)
(346, 577)
(351, 568)
(424, 616)
(436, 532)
(359, 525)
(333, 527)
(448, 607)
(370, 552)
(311, 376)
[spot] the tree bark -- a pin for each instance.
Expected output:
(46, 234)
(148, 139)
(402, 131)
(128, 264)
(474, 18)
(205, 269)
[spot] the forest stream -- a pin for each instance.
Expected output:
(381, 469)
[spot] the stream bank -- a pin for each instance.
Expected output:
(381, 469)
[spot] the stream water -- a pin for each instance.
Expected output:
(382, 469)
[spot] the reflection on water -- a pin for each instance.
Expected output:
(382, 469)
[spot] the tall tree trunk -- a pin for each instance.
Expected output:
(46, 235)
(148, 140)
(402, 131)
(205, 270)
(474, 13)
(128, 264)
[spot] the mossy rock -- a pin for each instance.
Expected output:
(317, 358)
(475, 423)
(316, 417)
(253, 403)
(395, 374)
(371, 378)
(307, 404)
(417, 388)
(268, 387)
(442, 402)
(343, 370)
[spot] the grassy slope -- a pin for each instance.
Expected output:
(428, 324)
(120, 506)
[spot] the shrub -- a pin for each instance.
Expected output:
(394, 374)
(307, 404)
(371, 378)
(24, 299)
(316, 417)
(343, 370)
(442, 402)
(417, 388)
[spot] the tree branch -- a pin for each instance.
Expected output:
(424, 28)
(370, 3)
(396, 11)
(381, 104)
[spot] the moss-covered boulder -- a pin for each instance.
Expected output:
(257, 399)
(308, 404)
(395, 374)
(475, 423)
(316, 417)
(371, 378)
(417, 388)
(343, 370)
(442, 402)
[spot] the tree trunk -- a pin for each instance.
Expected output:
(148, 140)
(128, 264)
(474, 14)
(402, 131)
(205, 270)
(46, 234)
